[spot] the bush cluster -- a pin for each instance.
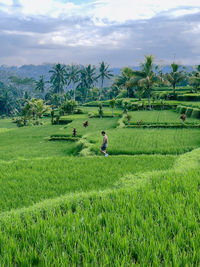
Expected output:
(190, 112)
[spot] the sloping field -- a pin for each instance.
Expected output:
(26, 182)
(146, 219)
(60, 209)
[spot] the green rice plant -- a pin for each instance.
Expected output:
(164, 117)
(140, 210)
(7, 123)
(25, 182)
(148, 141)
(94, 125)
(32, 142)
(4, 130)
(153, 223)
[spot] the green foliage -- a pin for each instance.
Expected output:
(128, 118)
(183, 110)
(195, 113)
(188, 112)
(40, 85)
(122, 94)
(178, 108)
(100, 110)
(194, 80)
(112, 105)
(57, 78)
(69, 107)
(175, 76)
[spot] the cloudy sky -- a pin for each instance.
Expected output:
(119, 32)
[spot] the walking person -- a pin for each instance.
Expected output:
(105, 144)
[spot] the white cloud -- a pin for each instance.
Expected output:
(105, 10)
(123, 10)
(183, 12)
(6, 2)
(83, 38)
(47, 7)
(13, 32)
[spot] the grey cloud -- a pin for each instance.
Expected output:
(162, 36)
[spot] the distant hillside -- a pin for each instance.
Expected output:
(35, 71)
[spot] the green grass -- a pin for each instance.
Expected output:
(7, 124)
(148, 141)
(62, 210)
(94, 125)
(25, 182)
(159, 117)
(152, 219)
(32, 142)
(106, 110)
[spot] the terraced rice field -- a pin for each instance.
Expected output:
(129, 209)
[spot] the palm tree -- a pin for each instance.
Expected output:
(90, 75)
(124, 80)
(87, 79)
(72, 76)
(58, 78)
(146, 78)
(40, 85)
(194, 80)
(104, 73)
(175, 76)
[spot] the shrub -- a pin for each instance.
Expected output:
(78, 111)
(64, 120)
(183, 110)
(38, 122)
(119, 102)
(69, 107)
(100, 110)
(20, 122)
(195, 113)
(188, 112)
(91, 115)
(128, 118)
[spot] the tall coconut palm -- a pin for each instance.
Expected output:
(104, 73)
(87, 80)
(57, 78)
(72, 75)
(194, 80)
(146, 78)
(90, 75)
(175, 76)
(40, 85)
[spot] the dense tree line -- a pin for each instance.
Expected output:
(86, 83)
